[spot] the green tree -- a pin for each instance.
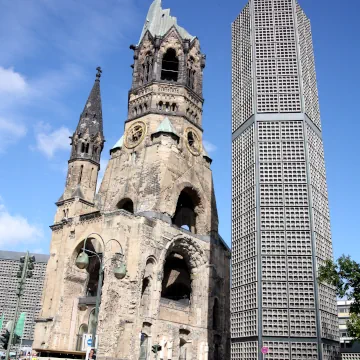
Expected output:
(344, 275)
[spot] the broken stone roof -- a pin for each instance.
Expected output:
(159, 21)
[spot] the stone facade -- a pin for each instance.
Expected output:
(157, 199)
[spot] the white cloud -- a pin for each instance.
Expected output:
(16, 230)
(10, 132)
(209, 147)
(50, 142)
(12, 82)
(32, 31)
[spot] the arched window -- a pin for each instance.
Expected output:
(170, 66)
(185, 215)
(83, 329)
(82, 147)
(81, 173)
(126, 204)
(93, 268)
(183, 350)
(143, 347)
(173, 107)
(87, 148)
(190, 73)
(147, 68)
(160, 105)
(216, 315)
(92, 321)
(176, 285)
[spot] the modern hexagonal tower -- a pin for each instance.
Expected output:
(280, 213)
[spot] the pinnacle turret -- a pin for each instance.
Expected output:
(88, 139)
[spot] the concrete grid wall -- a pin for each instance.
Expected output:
(280, 214)
(31, 300)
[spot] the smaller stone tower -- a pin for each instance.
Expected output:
(87, 144)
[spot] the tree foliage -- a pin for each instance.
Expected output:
(344, 275)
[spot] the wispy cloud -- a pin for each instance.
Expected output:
(209, 147)
(81, 30)
(46, 47)
(17, 230)
(12, 82)
(48, 142)
(10, 133)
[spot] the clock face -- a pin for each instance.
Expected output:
(135, 134)
(193, 141)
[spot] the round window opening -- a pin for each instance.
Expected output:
(135, 134)
(193, 141)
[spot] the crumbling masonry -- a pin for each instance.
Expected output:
(157, 199)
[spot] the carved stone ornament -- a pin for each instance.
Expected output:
(193, 142)
(135, 134)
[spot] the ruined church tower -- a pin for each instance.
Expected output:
(156, 206)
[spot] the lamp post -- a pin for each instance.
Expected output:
(82, 262)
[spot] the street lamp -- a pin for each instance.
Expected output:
(82, 262)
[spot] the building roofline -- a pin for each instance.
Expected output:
(15, 255)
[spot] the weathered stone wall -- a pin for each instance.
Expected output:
(121, 316)
(153, 173)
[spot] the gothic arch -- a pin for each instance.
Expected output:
(126, 204)
(172, 197)
(170, 65)
(192, 252)
(92, 244)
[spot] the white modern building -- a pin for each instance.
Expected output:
(349, 350)
(31, 299)
(280, 213)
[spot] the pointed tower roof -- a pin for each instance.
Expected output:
(159, 21)
(166, 127)
(118, 144)
(91, 117)
(88, 138)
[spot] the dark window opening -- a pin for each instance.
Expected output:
(216, 315)
(160, 105)
(82, 147)
(190, 73)
(145, 107)
(176, 284)
(170, 66)
(80, 174)
(185, 214)
(140, 109)
(216, 352)
(173, 107)
(87, 148)
(145, 285)
(126, 204)
(191, 139)
(147, 69)
(93, 268)
(183, 350)
(167, 107)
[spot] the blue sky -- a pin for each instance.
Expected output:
(49, 52)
